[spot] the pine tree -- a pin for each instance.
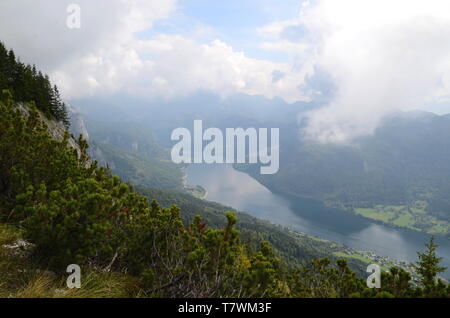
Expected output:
(428, 268)
(58, 107)
(29, 85)
(3, 60)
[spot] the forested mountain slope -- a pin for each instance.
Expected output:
(58, 207)
(399, 175)
(26, 83)
(66, 211)
(131, 153)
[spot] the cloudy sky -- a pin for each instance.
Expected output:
(370, 57)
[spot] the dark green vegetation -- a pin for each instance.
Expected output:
(399, 176)
(70, 211)
(138, 169)
(133, 153)
(57, 207)
(27, 84)
(404, 164)
(294, 249)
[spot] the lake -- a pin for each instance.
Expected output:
(230, 187)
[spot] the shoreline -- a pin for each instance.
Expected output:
(197, 191)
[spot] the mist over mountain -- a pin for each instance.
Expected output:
(404, 163)
(323, 163)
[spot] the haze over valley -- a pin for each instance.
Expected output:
(340, 112)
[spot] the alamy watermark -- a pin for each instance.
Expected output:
(74, 279)
(240, 146)
(74, 16)
(374, 279)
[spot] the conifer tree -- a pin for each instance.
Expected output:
(29, 85)
(428, 268)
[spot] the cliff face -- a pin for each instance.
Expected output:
(77, 124)
(55, 129)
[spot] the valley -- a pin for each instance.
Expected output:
(197, 151)
(362, 195)
(364, 239)
(413, 218)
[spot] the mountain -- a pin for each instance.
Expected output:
(162, 116)
(131, 152)
(136, 168)
(60, 210)
(399, 175)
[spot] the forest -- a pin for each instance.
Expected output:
(26, 84)
(59, 207)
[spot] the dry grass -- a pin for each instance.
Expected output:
(19, 278)
(94, 285)
(40, 286)
(105, 285)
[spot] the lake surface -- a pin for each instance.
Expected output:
(240, 191)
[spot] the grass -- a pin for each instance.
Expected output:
(405, 220)
(414, 217)
(418, 211)
(375, 215)
(94, 285)
(361, 258)
(395, 208)
(8, 234)
(102, 285)
(354, 256)
(439, 229)
(19, 278)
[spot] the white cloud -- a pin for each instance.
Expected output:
(276, 28)
(37, 30)
(382, 56)
(176, 66)
(107, 56)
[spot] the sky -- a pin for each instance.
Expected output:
(368, 58)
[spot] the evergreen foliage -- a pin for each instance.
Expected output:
(429, 269)
(28, 84)
(75, 212)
